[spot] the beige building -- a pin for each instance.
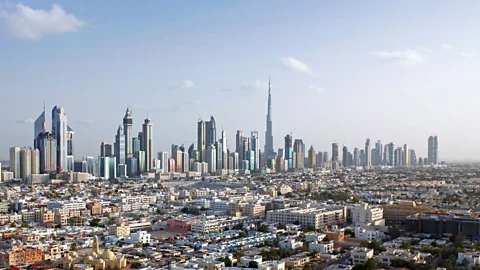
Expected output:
(253, 210)
(314, 217)
(122, 230)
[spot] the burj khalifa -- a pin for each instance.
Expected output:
(269, 152)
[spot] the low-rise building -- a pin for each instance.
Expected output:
(360, 255)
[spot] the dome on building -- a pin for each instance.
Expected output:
(108, 255)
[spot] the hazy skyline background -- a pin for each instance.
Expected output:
(341, 71)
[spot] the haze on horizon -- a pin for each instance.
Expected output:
(341, 71)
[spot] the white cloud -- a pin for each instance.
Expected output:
(447, 47)
(253, 85)
(27, 23)
(315, 88)
(405, 57)
(186, 84)
(27, 120)
(297, 66)
(468, 55)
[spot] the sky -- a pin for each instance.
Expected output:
(341, 71)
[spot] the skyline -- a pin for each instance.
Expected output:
(354, 79)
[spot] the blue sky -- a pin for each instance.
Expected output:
(341, 70)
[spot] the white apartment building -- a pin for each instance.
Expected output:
(365, 214)
(70, 205)
(272, 265)
(360, 255)
(473, 259)
(385, 258)
(139, 237)
(316, 217)
(369, 234)
(321, 247)
(212, 224)
(140, 199)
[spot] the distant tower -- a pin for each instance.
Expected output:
(147, 144)
(238, 144)
(224, 150)
(288, 152)
(15, 161)
(120, 145)
(312, 157)
(255, 149)
(70, 148)
(405, 157)
(345, 156)
(127, 130)
(95, 245)
(39, 127)
(432, 150)
(368, 154)
(211, 131)
(269, 152)
(59, 130)
(298, 147)
(202, 141)
(334, 152)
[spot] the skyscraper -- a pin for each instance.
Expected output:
(39, 127)
(269, 152)
(413, 158)
(224, 150)
(312, 158)
(106, 150)
(345, 156)
(300, 155)
(211, 159)
(202, 141)
(219, 156)
(127, 131)
(70, 148)
(15, 164)
(405, 157)
(59, 130)
(255, 149)
(35, 161)
(334, 152)
(211, 136)
(47, 146)
(238, 143)
(391, 154)
(163, 157)
(120, 153)
(147, 144)
(356, 157)
(288, 152)
(432, 150)
(25, 163)
(378, 153)
(368, 153)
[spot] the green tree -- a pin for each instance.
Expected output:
(139, 245)
(253, 264)
(263, 228)
(95, 222)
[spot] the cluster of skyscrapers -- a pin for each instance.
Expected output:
(132, 156)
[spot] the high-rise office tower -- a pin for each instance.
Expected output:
(219, 156)
(312, 157)
(238, 144)
(378, 153)
(224, 150)
(325, 158)
(106, 150)
(39, 127)
(413, 158)
(405, 157)
(398, 157)
(147, 143)
(136, 145)
(211, 159)
(202, 140)
(391, 154)
(368, 153)
(288, 152)
(211, 127)
(70, 148)
(178, 156)
(174, 149)
(385, 155)
(127, 131)
(163, 157)
(15, 165)
(345, 156)
(255, 149)
(334, 152)
(269, 152)
(349, 159)
(47, 146)
(300, 155)
(356, 157)
(25, 163)
(432, 150)
(35, 161)
(362, 157)
(319, 159)
(185, 162)
(60, 129)
(190, 151)
(120, 144)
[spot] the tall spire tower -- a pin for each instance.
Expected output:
(269, 152)
(127, 131)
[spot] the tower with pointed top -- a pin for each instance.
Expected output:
(59, 130)
(120, 146)
(127, 131)
(269, 152)
(147, 144)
